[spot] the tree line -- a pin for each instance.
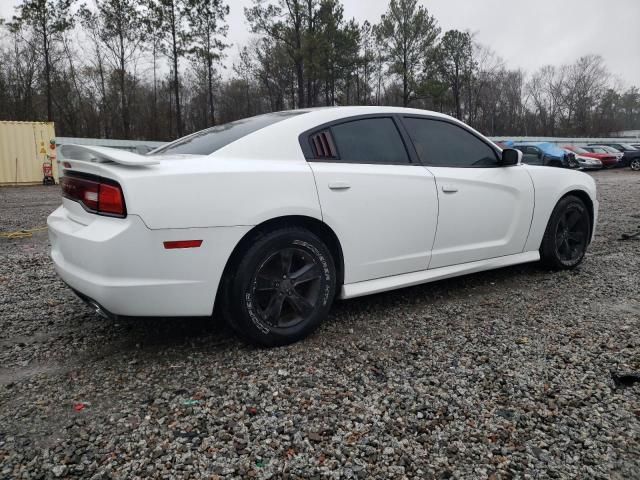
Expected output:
(153, 69)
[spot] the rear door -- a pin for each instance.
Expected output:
(485, 210)
(382, 205)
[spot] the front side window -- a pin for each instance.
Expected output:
(443, 144)
(627, 147)
(610, 149)
(369, 140)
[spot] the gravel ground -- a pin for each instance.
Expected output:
(503, 374)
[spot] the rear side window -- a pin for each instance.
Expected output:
(369, 140)
(443, 144)
(208, 141)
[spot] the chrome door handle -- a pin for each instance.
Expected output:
(339, 185)
(449, 189)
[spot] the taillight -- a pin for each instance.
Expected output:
(95, 194)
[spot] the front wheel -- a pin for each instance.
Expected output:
(635, 164)
(567, 235)
(281, 289)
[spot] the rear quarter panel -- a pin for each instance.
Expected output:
(219, 192)
(550, 185)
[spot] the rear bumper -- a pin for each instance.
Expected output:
(122, 266)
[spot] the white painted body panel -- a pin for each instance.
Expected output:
(484, 213)
(122, 264)
(395, 225)
(384, 215)
(551, 184)
(201, 192)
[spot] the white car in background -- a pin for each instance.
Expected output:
(586, 163)
(270, 218)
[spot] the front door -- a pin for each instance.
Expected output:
(485, 210)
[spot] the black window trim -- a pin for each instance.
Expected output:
(307, 149)
(496, 151)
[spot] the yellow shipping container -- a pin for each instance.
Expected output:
(26, 150)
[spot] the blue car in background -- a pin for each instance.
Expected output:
(544, 153)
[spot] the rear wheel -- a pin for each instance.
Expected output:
(281, 289)
(635, 164)
(567, 235)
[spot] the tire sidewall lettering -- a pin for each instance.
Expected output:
(324, 300)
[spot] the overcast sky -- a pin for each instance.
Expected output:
(525, 33)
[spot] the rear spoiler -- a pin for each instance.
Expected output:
(105, 155)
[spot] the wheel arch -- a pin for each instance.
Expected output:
(318, 227)
(586, 199)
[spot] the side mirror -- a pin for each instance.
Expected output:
(511, 156)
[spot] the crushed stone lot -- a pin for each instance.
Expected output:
(501, 374)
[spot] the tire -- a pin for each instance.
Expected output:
(567, 235)
(281, 288)
(635, 164)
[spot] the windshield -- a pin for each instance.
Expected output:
(208, 141)
(579, 150)
(610, 149)
(628, 147)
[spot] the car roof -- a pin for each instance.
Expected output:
(279, 141)
(336, 113)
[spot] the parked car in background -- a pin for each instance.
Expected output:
(606, 151)
(585, 162)
(628, 152)
(607, 159)
(545, 153)
(272, 217)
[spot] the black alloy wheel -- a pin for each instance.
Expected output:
(280, 287)
(572, 231)
(567, 235)
(286, 287)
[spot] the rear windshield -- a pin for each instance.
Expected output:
(208, 141)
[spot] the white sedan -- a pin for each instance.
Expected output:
(586, 163)
(270, 218)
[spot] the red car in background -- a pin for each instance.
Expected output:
(607, 159)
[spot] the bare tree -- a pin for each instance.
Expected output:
(115, 25)
(48, 20)
(172, 16)
(206, 20)
(585, 84)
(455, 58)
(283, 22)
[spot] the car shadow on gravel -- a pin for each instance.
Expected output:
(197, 332)
(150, 332)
